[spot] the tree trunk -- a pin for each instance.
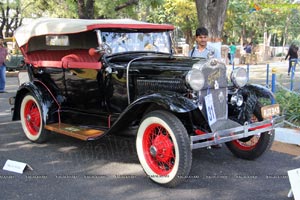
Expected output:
(212, 14)
(243, 33)
(3, 21)
(285, 35)
(81, 9)
(90, 9)
(86, 9)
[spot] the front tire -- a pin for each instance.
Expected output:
(32, 120)
(163, 148)
(254, 146)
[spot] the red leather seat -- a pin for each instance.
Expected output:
(81, 59)
(64, 58)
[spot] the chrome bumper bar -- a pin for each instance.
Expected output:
(227, 135)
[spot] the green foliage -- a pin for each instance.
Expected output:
(276, 18)
(180, 13)
(289, 105)
(138, 10)
(296, 42)
(46, 8)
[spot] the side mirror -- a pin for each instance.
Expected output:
(104, 48)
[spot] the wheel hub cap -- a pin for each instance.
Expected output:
(153, 151)
(28, 118)
(162, 148)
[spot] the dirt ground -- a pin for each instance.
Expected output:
(291, 149)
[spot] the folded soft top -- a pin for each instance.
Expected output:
(55, 26)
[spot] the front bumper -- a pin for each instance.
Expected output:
(227, 135)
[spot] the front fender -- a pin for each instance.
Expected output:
(261, 91)
(136, 109)
(251, 94)
(39, 92)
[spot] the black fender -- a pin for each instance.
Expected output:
(168, 101)
(251, 93)
(43, 96)
(260, 91)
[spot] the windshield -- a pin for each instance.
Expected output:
(137, 41)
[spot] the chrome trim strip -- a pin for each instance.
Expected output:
(127, 75)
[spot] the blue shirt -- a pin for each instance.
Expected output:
(248, 49)
(203, 54)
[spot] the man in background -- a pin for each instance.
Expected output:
(232, 52)
(292, 55)
(248, 50)
(3, 54)
(202, 50)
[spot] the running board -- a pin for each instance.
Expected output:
(78, 132)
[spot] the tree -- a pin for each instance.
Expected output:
(86, 9)
(10, 17)
(211, 14)
(49, 8)
(135, 9)
(274, 21)
(181, 13)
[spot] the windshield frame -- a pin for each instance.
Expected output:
(123, 40)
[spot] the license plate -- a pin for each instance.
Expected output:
(210, 109)
(269, 111)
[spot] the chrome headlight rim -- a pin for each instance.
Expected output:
(195, 79)
(239, 77)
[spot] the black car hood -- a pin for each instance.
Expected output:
(154, 60)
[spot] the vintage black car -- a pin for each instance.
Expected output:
(89, 78)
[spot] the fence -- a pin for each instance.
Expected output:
(294, 63)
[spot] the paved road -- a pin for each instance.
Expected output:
(66, 168)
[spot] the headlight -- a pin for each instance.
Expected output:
(195, 79)
(239, 77)
(237, 99)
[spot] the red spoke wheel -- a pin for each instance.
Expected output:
(254, 146)
(163, 148)
(31, 119)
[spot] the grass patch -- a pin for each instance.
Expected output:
(289, 105)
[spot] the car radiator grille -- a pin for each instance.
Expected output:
(144, 86)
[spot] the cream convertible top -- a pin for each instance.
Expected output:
(55, 26)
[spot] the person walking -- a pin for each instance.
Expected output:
(248, 50)
(292, 55)
(232, 52)
(202, 50)
(3, 54)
